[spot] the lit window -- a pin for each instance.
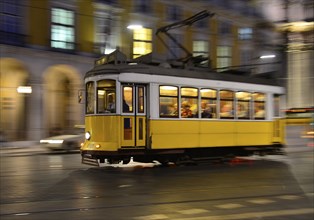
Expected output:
(189, 103)
(106, 96)
(142, 41)
(259, 105)
(127, 105)
(200, 48)
(141, 99)
(224, 55)
(141, 48)
(226, 104)
(243, 105)
(144, 34)
(208, 103)
(62, 28)
(245, 33)
(168, 101)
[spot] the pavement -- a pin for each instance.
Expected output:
(21, 148)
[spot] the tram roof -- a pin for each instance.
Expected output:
(182, 73)
(166, 70)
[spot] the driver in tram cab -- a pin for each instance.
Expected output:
(186, 111)
(126, 107)
(111, 104)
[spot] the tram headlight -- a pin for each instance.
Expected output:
(87, 135)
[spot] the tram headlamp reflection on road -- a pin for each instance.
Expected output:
(87, 135)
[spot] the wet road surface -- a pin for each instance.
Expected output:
(52, 186)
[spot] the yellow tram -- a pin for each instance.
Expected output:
(158, 112)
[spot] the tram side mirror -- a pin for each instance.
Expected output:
(80, 96)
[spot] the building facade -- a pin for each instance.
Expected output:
(48, 45)
(294, 19)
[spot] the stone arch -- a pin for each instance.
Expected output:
(61, 108)
(13, 73)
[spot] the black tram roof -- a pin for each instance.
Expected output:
(165, 69)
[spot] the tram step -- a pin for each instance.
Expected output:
(90, 161)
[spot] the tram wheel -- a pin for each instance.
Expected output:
(126, 160)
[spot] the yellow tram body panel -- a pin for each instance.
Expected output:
(186, 134)
(105, 132)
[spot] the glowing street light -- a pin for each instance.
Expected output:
(24, 89)
(267, 56)
(134, 26)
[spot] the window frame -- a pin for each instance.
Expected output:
(214, 114)
(259, 103)
(224, 56)
(201, 51)
(227, 100)
(110, 89)
(57, 27)
(248, 115)
(90, 98)
(174, 97)
(190, 97)
(147, 41)
(245, 33)
(130, 103)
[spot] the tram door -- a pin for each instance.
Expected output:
(133, 115)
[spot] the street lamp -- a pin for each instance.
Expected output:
(134, 26)
(267, 56)
(24, 89)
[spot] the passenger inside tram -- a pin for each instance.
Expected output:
(111, 104)
(226, 110)
(173, 110)
(207, 111)
(186, 111)
(259, 111)
(241, 111)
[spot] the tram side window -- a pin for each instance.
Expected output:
(90, 97)
(243, 105)
(127, 105)
(168, 101)
(276, 99)
(106, 96)
(259, 105)
(226, 104)
(189, 103)
(140, 98)
(208, 103)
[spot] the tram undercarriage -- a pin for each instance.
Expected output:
(177, 156)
